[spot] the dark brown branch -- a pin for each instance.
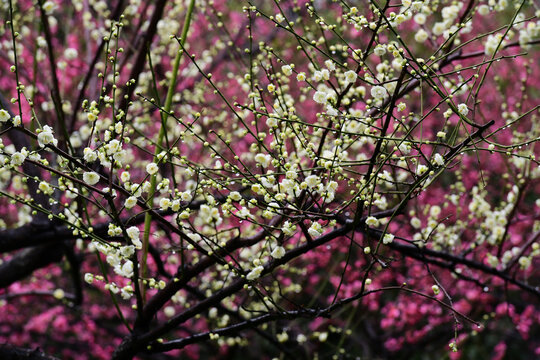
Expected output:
(9, 352)
(27, 261)
(115, 16)
(422, 253)
(140, 61)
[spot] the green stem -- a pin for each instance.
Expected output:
(161, 135)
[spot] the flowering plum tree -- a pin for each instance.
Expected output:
(269, 179)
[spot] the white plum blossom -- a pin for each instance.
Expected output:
(130, 202)
(524, 262)
(255, 273)
(288, 228)
(493, 42)
(125, 270)
(235, 196)
(420, 18)
(133, 232)
(4, 116)
(88, 278)
(49, 7)
(91, 177)
(350, 77)
(438, 28)
(421, 36)
(291, 174)
(126, 292)
(330, 65)
(378, 92)
(164, 203)
(46, 188)
(404, 148)
(286, 70)
(125, 176)
(127, 251)
(463, 109)
(278, 252)
(312, 181)
(46, 137)
(381, 203)
(16, 120)
(387, 239)
(210, 214)
(186, 196)
(272, 122)
(18, 157)
(438, 159)
(483, 10)
(320, 97)
(71, 53)
(263, 159)
(315, 229)
(421, 169)
(380, 50)
(89, 155)
(372, 221)
(152, 168)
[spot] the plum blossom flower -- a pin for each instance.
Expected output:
(126, 270)
(46, 137)
(88, 278)
(372, 221)
(91, 177)
(278, 252)
(421, 169)
(263, 159)
(46, 188)
(378, 92)
(130, 202)
(134, 233)
(421, 36)
(152, 168)
(387, 239)
(18, 157)
(315, 230)
(493, 42)
(49, 7)
(255, 273)
(463, 109)
(288, 228)
(89, 155)
(164, 203)
(126, 292)
(312, 181)
(235, 196)
(4, 116)
(286, 70)
(320, 97)
(350, 77)
(438, 159)
(420, 18)
(380, 50)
